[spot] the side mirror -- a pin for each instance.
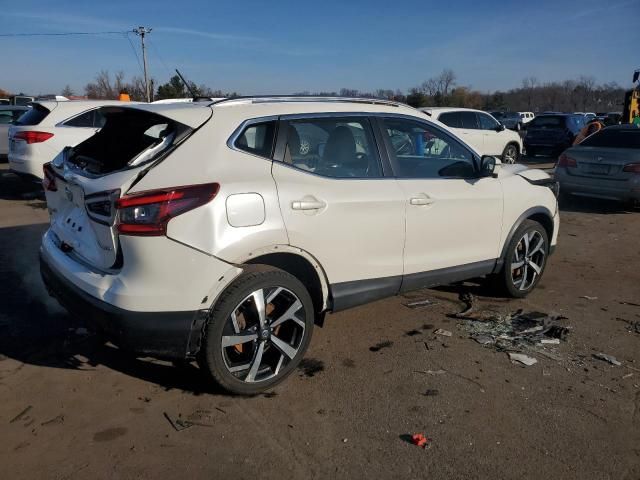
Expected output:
(487, 166)
(500, 127)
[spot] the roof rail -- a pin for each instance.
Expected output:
(308, 98)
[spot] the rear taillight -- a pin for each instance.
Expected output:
(566, 161)
(147, 213)
(33, 137)
(49, 179)
(632, 168)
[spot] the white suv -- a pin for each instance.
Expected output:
(49, 126)
(222, 232)
(480, 130)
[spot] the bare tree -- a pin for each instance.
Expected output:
(67, 91)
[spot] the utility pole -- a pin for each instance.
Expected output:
(141, 32)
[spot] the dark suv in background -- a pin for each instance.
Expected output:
(552, 134)
(511, 120)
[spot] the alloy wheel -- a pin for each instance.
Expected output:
(510, 154)
(263, 333)
(528, 260)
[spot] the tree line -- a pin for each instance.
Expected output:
(580, 94)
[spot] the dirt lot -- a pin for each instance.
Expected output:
(71, 408)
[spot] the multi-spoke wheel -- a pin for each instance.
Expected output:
(258, 331)
(524, 259)
(510, 154)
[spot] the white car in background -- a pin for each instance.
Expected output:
(481, 131)
(526, 117)
(8, 115)
(42, 133)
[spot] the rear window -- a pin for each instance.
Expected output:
(33, 116)
(548, 121)
(613, 138)
(257, 139)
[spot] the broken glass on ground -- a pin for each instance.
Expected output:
(514, 331)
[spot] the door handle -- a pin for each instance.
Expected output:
(422, 200)
(307, 205)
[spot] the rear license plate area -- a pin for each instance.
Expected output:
(594, 169)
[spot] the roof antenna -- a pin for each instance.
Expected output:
(189, 87)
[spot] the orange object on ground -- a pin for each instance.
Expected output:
(124, 96)
(420, 440)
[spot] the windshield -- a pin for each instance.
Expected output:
(614, 138)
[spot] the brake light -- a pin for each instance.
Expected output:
(632, 168)
(33, 137)
(49, 179)
(566, 161)
(147, 213)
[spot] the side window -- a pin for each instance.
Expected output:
(451, 119)
(486, 122)
(422, 151)
(84, 120)
(469, 120)
(257, 139)
(333, 147)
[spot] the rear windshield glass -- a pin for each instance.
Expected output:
(129, 138)
(33, 116)
(548, 121)
(614, 138)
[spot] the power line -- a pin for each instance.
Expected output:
(135, 52)
(65, 34)
(142, 32)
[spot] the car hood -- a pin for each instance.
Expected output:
(522, 171)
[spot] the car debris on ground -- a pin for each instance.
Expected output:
(522, 358)
(421, 440)
(444, 333)
(420, 303)
(607, 358)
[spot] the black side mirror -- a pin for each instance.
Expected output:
(500, 127)
(487, 166)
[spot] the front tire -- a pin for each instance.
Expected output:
(524, 260)
(510, 154)
(258, 331)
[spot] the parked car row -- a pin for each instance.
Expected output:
(223, 231)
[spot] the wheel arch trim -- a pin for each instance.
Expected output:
(526, 215)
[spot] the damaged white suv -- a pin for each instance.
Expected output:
(224, 231)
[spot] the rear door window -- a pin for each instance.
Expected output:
(333, 147)
(33, 116)
(257, 138)
(469, 120)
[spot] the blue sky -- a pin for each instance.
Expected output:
(284, 46)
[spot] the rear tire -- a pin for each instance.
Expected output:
(524, 260)
(251, 312)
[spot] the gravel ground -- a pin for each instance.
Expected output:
(374, 375)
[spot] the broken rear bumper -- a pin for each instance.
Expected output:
(170, 335)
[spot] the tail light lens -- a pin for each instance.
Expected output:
(566, 161)
(49, 179)
(147, 213)
(632, 168)
(33, 137)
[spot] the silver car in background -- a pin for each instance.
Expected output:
(605, 165)
(8, 115)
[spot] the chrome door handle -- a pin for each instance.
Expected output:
(421, 201)
(307, 205)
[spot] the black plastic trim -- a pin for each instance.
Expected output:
(167, 335)
(442, 276)
(358, 292)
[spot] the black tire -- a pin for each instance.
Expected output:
(504, 280)
(510, 154)
(213, 356)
